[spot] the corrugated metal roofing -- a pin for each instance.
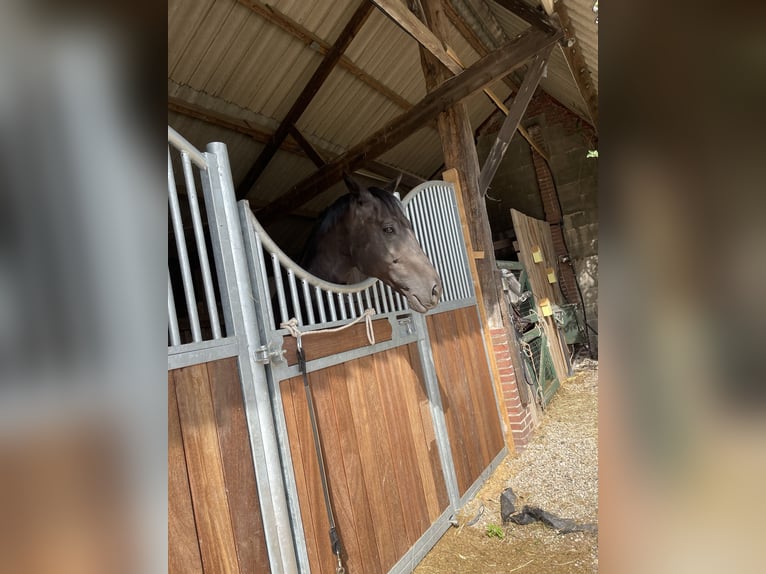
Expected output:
(226, 57)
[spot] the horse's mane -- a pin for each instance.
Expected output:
(330, 216)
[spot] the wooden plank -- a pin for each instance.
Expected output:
(306, 146)
(452, 177)
(447, 362)
(368, 559)
(327, 344)
(315, 497)
(203, 461)
(310, 90)
(292, 395)
(236, 456)
(532, 233)
(481, 382)
(480, 74)
(324, 404)
(376, 461)
(511, 122)
(392, 380)
(183, 548)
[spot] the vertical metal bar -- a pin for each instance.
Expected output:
(308, 301)
(280, 287)
(376, 297)
(331, 304)
(275, 510)
(183, 255)
(379, 287)
(320, 304)
(175, 334)
(437, 409)
(359, 302)
(440, 240)
(367, 299)
(391, 298)
(264, 276)
(199, 236)
(294, 296)
(342, 306)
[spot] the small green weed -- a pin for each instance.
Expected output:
(495, 531)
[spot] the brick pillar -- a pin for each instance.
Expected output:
(521, 419)
(553, 215)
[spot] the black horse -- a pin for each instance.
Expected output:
(367, 234)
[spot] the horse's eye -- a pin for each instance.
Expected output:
(388, 229)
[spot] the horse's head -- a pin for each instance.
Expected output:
(383, 245)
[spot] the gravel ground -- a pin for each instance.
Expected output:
(558, 471)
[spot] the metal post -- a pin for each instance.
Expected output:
(263, 439)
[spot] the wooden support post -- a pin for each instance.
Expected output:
(451, 176)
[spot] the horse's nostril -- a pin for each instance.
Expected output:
(435, 291)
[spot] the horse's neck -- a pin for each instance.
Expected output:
(332, 259)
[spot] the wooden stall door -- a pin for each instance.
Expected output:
(214, 520)
(383, 466)
(467, 393)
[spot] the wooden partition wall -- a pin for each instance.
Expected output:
(214, 520)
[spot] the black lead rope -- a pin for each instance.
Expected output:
(334, 538)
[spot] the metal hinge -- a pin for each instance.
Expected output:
(265, 354)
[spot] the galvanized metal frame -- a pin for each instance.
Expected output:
(243, 252)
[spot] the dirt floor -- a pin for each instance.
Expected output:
(558, 471)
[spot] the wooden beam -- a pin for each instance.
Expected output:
(511, 123)
(307, 148)
(410, 23)
(382, 170)
(271, 14)
(304, 99)
(480, 74)
(577, 66)
(528, 14)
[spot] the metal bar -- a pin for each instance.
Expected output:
(438, 223)
(279, 286)
(255, 390)
(437, 409)
(359, 301)
(368, 300)
(264, 276)
(331, 304)
(183, 255)
(383, 296)
(199, 236)
(294, 297)
(181, 144)
(342, 306)
(309, 303)
(202, 352)
(376, 298)
(320, 304)
(175, 334)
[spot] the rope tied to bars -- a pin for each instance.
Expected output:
(292, 327)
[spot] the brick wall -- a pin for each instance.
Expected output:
(521, 418)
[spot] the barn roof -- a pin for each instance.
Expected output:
(236, 67)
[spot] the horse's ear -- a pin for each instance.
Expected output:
(351, 184)
(392, 186)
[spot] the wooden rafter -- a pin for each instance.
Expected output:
(528, 14)
(310, 90)
(479, 75)
(577, 65)
(511, 123)
(239, 125)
